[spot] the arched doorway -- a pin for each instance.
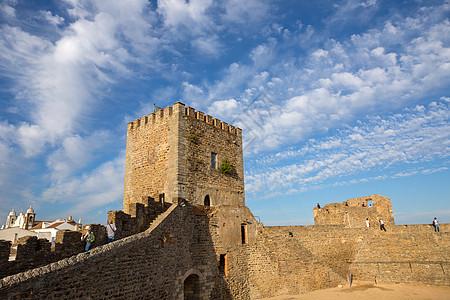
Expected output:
(207, 201)
(192, 287)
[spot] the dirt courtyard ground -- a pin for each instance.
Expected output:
(370, 291)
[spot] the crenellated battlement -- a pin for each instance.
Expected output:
(33, 252)
(165, 114)
(151, 118)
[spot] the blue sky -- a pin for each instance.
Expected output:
(337, 99)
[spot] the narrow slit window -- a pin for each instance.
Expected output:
(244, 235)
(213, 160)
(223, 265)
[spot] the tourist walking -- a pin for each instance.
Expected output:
(89, 237)
(436, 225)
(382, 225)
(367, 222)
(111, 231)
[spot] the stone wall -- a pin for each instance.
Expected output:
(183, 252)
(278, 264)
(68, 243)
(33, 252)
(31, 248)
(231, 226)
(201, 135)
(297, 259)
(354, 212)
(176, 250)
(406, 254)
(5, 247)
(140, 216)
(147, 158)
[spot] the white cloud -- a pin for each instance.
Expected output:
(32, 139)
(320, 53)
(191, 14)
(419, 135)
(371, 77)
(20, 52)
(263, 55)
(210, 45)
(192, 93)
(55, 20)
(351, 11)
(75, 153)
(59, 78)
(16, 183)
(62, 80)
(224, 109)
(91, 190)
(7, 11)
(246, 12)
(369, 3)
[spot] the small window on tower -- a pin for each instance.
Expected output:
(223, 265)
(213, 160)
(244, 234)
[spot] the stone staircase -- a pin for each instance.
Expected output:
(160, 218)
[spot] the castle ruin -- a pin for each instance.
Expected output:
(189, 235)
(354, 212)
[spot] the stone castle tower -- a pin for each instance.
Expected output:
(176, 154)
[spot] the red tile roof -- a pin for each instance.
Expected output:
(54, 225)
(38, 225)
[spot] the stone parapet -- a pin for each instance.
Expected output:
(159, 116)
(140, 217)
(33, 252)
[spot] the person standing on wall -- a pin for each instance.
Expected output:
(111, 231)
(382, 225)
(89, 237)
(436, 225)
(367, 222)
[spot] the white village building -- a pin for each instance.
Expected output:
(26, 225)
(48, 230)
